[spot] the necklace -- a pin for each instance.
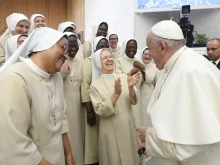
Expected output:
(169, 73)
(53, 113)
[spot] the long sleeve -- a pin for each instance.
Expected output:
(136, 95)
(86, 80)
(102, 107)
(178, 152)
(87, 49)
(15, 120)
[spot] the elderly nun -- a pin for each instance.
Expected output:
(17, 24)
(112, 96)
(33, 119)
(91, 120)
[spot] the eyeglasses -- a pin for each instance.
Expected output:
(65, 47)
(113, 39)
(107, 57)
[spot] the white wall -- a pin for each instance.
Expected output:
(119, 14)
(206, 21)
(143, 24)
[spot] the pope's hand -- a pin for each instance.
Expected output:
(139, 65)
(142, 145)
(142, 133)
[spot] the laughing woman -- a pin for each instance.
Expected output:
(112, 96)
(71, 84)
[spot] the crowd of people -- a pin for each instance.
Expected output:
(67, 103)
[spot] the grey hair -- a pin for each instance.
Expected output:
(169, 42)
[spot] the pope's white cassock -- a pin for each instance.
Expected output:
(185, 112)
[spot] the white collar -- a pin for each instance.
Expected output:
(32, 65)
(113, 48)
(128, 58)
(108, 75)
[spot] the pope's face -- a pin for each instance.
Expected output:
(213, 50)
(154, 51)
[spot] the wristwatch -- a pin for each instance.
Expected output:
(143, 70)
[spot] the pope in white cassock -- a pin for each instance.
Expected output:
(184, 107)
(33, 119)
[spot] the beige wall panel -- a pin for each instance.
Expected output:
(53, 10)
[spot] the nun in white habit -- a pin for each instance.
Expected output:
(69, 27)
(91, 119)
(100, 30)
(13, 21)
(71, 83)
(112, 96)
(37, 20)
(33, 119)
(124, 64)
(13, 43)
(113, 44)
(147, 88)
(65, 27)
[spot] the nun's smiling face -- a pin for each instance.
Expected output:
(107, 61)
(39, 22)
(73, 46)
(20, 40)
(22, 27)
(103, 43)
(146, 58)
(102, 31)
(54, 57)
(131, 48)
(113, 41)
